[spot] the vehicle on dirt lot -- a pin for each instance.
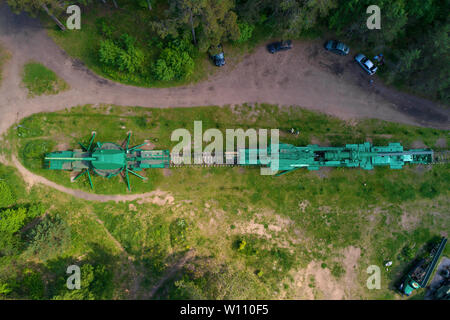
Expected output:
(279, 46)
(218, 58)
(337, 47)
(366, 64)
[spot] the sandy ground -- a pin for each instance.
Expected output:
(306, 76)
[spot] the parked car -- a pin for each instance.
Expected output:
(366, 64)
(279, 46)
(337, 47)
(219, 58)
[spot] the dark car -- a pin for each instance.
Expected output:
(219, 58)
(337, 47)
(279, 46)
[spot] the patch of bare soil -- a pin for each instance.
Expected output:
(159, 198)
(316, 282)
(409, 221)
(323, 172)
(418, 144)
(441, 143)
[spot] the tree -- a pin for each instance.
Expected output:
(209, 21)
(175, 61)
(95, 284)
(33, 6)
(122, 54)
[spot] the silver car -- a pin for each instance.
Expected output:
(366, 64)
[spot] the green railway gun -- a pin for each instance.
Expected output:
(110, 159)
(419, 276)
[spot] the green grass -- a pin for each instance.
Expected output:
(40, 80)
(156, 125)
(380, 211)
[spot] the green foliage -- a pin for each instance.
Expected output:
(96, 283)
(204, 279)
(407, 254)
(105, 28)
(40, 80)
(34, 152)
(49, 238)
(32, 285)
(178, 229)
(122, 54)
(4, 289)
(12, 220)
(7, 197)
(175, 61)
(212, 22)
(337, 270)
(429, 190)
(245, 31)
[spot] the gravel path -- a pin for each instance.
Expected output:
(306, 76)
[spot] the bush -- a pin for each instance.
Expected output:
(428, 190)
(122, 54)
(96, 282)
(175, 61)
(49, 237)
(7, 197)
(104, 28)
(246, 31)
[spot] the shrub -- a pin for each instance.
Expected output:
(7, 197)
(122, 54)
(178, 230)
(104, 28)
(49, 237)
(428, 190)
(12, 221)
(246, 31)
(175, 61)
(96, 282)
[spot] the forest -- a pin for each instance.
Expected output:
(161, 41)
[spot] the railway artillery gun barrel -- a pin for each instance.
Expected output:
(109, 159)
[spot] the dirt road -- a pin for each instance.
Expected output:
(305, 76)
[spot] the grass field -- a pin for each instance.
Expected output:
(40, 80)
(301, 235)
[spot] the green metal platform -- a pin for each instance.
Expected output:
(109, 159)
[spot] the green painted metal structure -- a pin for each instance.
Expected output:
(419, 276)
(109, 159)
(313, 157)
